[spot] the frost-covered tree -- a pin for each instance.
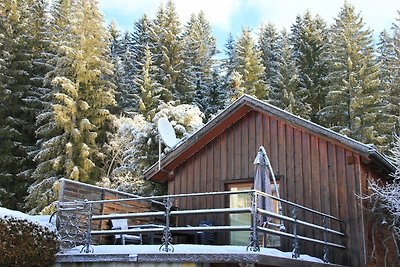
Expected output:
(286, 91)
(389, 113)
(168, 51)
(228, 66)
(149, 89)
(134, 146)
(216, 95)
(248, 64)
(80, 111)
(198, 49)
(23, 50)
(308, 37)
(353, 82)
(269, 47)
(121, 56)
(141, 39)
(122, 171)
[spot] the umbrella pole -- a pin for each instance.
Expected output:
(282, 227)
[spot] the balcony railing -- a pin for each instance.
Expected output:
(75, 222)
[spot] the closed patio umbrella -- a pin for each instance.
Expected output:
(262, 182)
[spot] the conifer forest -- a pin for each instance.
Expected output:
(80, 99)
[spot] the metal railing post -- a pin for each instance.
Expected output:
(326, 250)
(88, 208)
(295, 244)
(254, 244)
(167, 238)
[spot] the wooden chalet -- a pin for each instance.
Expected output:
(315, 167)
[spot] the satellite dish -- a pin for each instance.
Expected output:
(166, 132)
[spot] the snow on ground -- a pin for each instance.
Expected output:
(184, 249)
(42, 220)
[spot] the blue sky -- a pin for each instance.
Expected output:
(229, 16)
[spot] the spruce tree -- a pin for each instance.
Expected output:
(216, 95)
(121, 57)
(22, 25)
(149, 89)
(248, 64)
(394, 92)
(388, 115)
(308, 37)
(269, 47)
(353, 82)
(80, 109)
(286, 91)
(168, 51)
(198, 49)
(227, 67)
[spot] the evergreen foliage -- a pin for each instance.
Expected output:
(80, 107)
(198, 49)
(308, 37)
(353, 82)
(168, 51)
(388, 114)
(247, 63)
(121, 57)
(287, 92)
(149, 89)
(23, 67)
(227, 67)
(268, 44)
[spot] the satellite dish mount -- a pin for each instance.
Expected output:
(167, 135)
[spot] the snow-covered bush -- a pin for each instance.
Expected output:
(24, 243)
(134, 147)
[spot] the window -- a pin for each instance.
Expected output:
(240, 238)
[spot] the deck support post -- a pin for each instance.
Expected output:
(254, 244)
(326, 250)
(87, 210)
(167, 238)
(295, 243)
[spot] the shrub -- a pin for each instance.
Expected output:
(24, 243)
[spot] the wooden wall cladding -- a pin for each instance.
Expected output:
(317, 173)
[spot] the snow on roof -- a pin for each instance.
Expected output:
(42, 220)
(183, 249)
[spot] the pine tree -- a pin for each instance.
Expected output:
(308, 36)
(22, 25)
(269, 47)
(216, 95)
(141, 40)
(286, 91)
(149, 89)
(388, 115)
(227, 67)
(198, 49)
(168, 51)
(352, 99)
(82, 98)
(394, 92)
(121, 57)
(248, 64)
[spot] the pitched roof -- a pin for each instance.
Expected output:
(160, 171)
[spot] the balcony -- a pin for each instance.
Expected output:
(86, 235)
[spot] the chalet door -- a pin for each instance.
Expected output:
(240, 201)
